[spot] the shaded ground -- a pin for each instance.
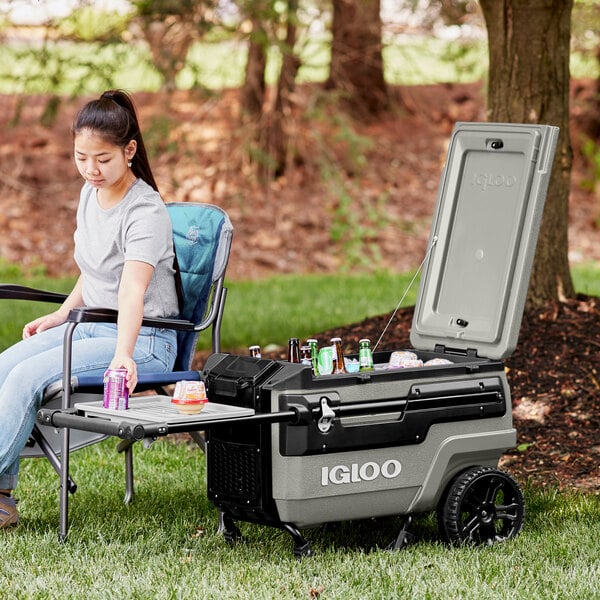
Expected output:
(285, 227)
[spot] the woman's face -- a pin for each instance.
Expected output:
(101, 163)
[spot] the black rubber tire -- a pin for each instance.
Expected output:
(483, 505)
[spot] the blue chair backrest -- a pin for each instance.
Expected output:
(202, 236)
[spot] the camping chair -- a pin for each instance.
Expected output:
(202, 235)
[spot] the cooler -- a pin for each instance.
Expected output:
(404, 441)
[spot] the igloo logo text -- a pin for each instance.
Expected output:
(491, 180)
(355, 473)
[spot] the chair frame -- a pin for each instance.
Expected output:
(212, 318)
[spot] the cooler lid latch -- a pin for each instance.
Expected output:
(468, 352)
(327, 415)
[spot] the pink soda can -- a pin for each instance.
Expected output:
(116, 394)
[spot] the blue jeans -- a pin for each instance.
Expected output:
(30, 365)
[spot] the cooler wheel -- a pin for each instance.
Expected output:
(483, 505)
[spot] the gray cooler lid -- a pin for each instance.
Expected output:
(483, 238)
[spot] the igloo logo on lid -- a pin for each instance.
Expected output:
(491, 180)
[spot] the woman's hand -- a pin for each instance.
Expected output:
(58, 317)
(42, 323)
(127, 363)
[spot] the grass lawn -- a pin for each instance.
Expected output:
(165, 544)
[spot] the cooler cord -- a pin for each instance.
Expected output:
(427, 254)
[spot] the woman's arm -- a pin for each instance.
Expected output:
(135, 279)
(58, 317)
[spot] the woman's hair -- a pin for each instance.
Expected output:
(113, 116)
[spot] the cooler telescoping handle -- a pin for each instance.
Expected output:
(132, 430)
(295, 414)
(121, 429)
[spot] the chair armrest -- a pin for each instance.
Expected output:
(108, 315)
(19, 292)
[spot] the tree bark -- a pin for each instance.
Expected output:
(277, 142)
(170, 28)
(356, 67)
(529, 83)
(252, 95)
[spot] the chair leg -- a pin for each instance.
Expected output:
(52, 457)
(126, 446)
(63, 526)
(198, 437)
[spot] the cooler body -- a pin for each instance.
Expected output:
(362, 445)
(390, 441)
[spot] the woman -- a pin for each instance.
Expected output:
(124, 251)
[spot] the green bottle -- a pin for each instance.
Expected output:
(314, 355)
(365, 355)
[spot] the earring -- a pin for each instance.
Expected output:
(129, 164)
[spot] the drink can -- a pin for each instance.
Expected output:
(326, 360)
(116, 394)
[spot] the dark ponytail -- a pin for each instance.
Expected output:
(114, 117)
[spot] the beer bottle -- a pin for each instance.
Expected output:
(314, 355)
(294, 350)
(255, 351)
(305, 357)
(339, 366)
(365, 355)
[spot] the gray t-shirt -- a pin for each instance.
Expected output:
(137, 228)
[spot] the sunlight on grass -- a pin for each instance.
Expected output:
(429, 60)
(586, 278)
(85, 68)
(218, 62)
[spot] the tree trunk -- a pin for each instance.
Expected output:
(169, 39)
(252, 95)
(356, 61)
(277, 139)
(529, 83)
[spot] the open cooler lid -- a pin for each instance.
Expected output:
(483, 238)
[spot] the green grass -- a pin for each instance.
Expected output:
(78, 68)
(165, 544)
(265, 312)
(586, 278)
(270, 311)
(15, 313)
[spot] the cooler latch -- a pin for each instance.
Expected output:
(327, 415)
(468, 352)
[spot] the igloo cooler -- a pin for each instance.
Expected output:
(402, 441)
